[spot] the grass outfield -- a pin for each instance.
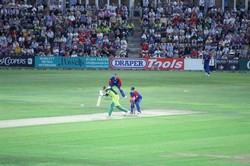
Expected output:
(219, 135)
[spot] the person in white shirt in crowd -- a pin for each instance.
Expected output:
(30, 51)
(63, 39)
(15, 45)
(50, 35)
(157, 53)
(145, 3)
(56, 51)
(74, 54)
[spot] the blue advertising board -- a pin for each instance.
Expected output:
(72, 62)
(97, 62)
(46, 62)
(60, 62)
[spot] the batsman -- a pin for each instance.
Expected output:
(108, 91)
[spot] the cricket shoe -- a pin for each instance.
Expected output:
(125, 113)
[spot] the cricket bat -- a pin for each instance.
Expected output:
(99, 98)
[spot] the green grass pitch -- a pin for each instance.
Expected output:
(218, 135)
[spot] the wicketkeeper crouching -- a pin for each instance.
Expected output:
(135, 99)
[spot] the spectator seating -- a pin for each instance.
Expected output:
(180, 30)
(79, 31)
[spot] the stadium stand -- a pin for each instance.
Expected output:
(174, 29)
(180, 30)
(78, 31)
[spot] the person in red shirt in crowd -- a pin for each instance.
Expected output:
(14, 34)
(194, 53)
(82, 39)
(193, 18)
(144, 48)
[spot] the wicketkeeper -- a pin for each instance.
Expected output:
(135, 100)
(108, 91)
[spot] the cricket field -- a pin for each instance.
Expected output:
(216, 133)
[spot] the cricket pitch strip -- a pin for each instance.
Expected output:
(89, 117)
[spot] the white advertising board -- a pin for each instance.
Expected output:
(193, 64)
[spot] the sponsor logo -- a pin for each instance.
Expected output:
(72, 62)
(248, 65)
(222, 64)
(126, 63)
(222, 61)
(30, 61)
(7, 61)
(166, 64)
(233, 64)
(233, 61)
(244, 64)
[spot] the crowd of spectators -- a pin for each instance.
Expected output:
(183, 30)
(52, 31)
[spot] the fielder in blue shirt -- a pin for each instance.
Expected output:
(135, 99)
(116, 81)
(206, 61)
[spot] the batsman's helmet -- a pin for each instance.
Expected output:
(132, 88)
